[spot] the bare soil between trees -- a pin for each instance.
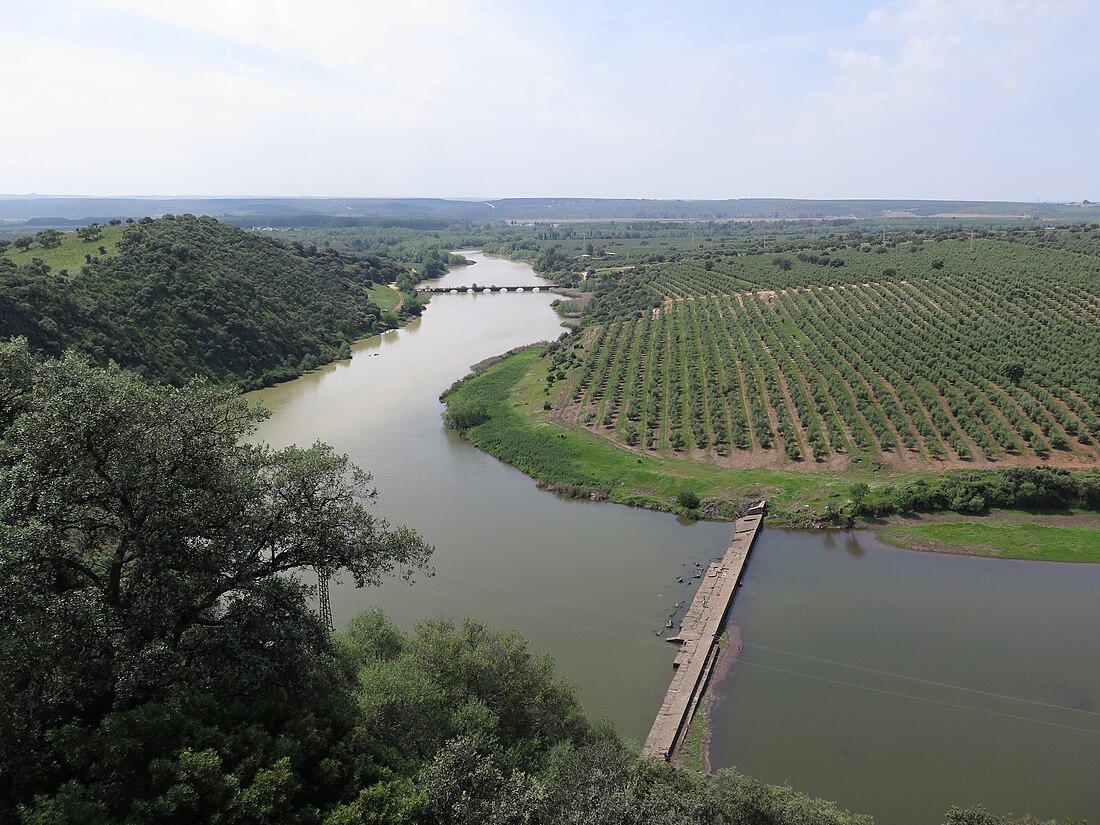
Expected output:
(903, 460)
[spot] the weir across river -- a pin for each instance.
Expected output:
(698, 637)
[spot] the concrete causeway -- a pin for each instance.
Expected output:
(698, 638)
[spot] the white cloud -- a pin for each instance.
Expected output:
(447, 97)
(345, 34)
(101, 121)
(407, 49)
(951, 61)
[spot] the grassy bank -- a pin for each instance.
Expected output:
(385, 297)
(505, 417)
(572, 460)
(692, 749)
(1017, 538)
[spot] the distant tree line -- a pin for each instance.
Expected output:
(975, 491)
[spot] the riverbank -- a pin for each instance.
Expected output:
(581, 464)
(695, 752)
(515, 424)
(1072, 537)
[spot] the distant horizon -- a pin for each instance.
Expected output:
(471, 199)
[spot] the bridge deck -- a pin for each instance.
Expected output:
(698, 638)
(486, 288)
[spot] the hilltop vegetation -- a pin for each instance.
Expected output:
(180, 297)
(65, 252)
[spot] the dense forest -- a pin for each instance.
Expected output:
(185, 297)
(162, 663)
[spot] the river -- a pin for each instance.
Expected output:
(590, 583)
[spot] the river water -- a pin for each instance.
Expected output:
(868, 674)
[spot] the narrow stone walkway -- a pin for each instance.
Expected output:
(698, 638)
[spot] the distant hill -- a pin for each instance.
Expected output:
(188, 296)
(61, 211)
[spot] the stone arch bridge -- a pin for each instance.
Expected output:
(473, 288)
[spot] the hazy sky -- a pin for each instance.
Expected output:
(990, 99)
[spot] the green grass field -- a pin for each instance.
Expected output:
(70, 254)
(385, 297)
(1012, 538)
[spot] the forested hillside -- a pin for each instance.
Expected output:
(186, 296)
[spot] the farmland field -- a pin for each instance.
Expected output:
(923, 352)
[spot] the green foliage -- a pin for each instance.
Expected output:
(446, 681)
(687, 499)
(462, 415)
(48, 239)
(91, 232)
(980, 816)
(188, 297)
(975, 491)
(858, 494)
(160, 656)
(1013, 371)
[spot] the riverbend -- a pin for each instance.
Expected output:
(895, 682)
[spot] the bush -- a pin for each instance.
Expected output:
(462, 415)
(687, 499)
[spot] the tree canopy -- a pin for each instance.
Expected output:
(148, 595)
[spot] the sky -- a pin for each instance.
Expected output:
(969, 99)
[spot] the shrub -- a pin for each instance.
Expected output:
(462, 415)
(687, 499)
